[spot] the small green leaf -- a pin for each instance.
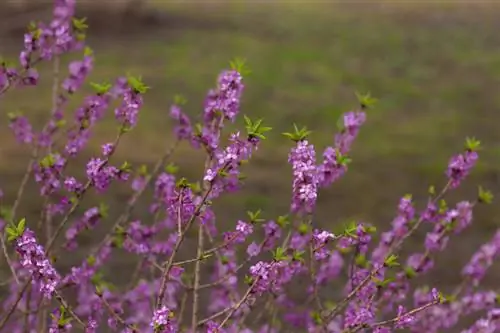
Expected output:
(21, 226)
(137, 84)
(279, 254)
(365, 100)
(410, 272)
(484, 196)
(303, 228)
(179, 100)
(79, 24)
(248, 280)
(316, 317)
(171, 168)
(101, 88)
(472, 144)
(391, 261)
(283, 221)
(103, 210)
(91, 260)
(361, 260)
(126, 167)
(298, 134)
(432, 190)
(240, 65)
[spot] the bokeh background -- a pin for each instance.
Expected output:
(434, 66)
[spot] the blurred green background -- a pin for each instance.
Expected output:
(434, 66)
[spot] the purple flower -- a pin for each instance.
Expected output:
(162, 320)
(34, 260)
(459, 167)
(78, 72)
(107, 149)
(305, 180)
(183, 130)
(22, 128)
(476, 269)
(127, 113)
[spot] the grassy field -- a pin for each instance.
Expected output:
(434, 68)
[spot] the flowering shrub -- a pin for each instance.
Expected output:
(249, 292)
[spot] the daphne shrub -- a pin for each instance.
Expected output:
(256, 262)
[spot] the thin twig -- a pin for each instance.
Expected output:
(196, 286)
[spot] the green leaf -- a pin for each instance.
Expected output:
(103, 210)
(79, 24)
(484, 196)
(432, 190)
(298, 255)
(472, 144)
(316, 317)
(298, 134)
(126, 167)
(283, 221)
(255, 129)
(101, 88)
(303, 228)
(179, 100)
(255, 216)
(91, 260)
(88, 51)
(12, 233)
(171, 168)
(410, 272)
(365, 100)
(240, 65)
(248, 280)
(391, 261)
(361, 260)
(279, 254)
(137, 84)
(21, 226)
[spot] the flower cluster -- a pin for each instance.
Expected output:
(33, 259)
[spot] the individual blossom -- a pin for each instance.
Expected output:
(108, 149)
(224, 101)
(305, 182)
(181, 206)
(460, 166)
(138, 239)
(400, 227)
(21, 127)
(163, 320)
(352, 121)
(331, 168)
(224, 173)
(320, 239)
(404, 319)
(272, 232)
(48, 173)
(78, 72)
(476, 269)
(34, 260)
(243, 230)
(463, 215)
(164, 191)
(72, 185)
(100, 174)
(128, 112)
(59, 323)
(89, 220)
(183, 129)
(488, 324)
(86, 116)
